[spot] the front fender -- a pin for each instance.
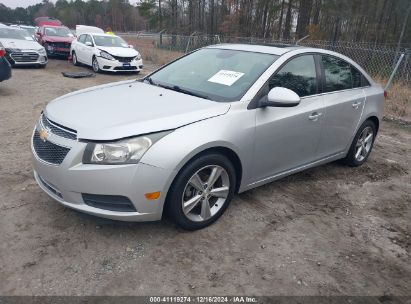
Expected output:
(234, 130)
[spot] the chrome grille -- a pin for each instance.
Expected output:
(48, 151)
(57, 129)
(65, 45)
(124, 59)
(24, 56)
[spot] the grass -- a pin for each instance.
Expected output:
(149, 52)
(398, 103)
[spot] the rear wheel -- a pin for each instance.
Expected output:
(96, 67)
(202, 191)
(362, 144)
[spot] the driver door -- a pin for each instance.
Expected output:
(88, 50)
(287, 138)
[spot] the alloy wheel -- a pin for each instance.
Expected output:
(205, 193)
(364, 144)
(96, 68)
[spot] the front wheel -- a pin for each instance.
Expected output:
(96, 67)
(362, 144)
(202, 191)
(74, 59)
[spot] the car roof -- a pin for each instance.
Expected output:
(274, 50)
(102, 34)
(49, 25)
(85, 29)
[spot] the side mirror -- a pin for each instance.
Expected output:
(88, 43)
(131, 46)
(281, 97)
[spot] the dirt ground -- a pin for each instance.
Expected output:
(331, 230)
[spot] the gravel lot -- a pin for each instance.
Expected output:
(331, 230)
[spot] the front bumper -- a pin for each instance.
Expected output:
(26, 58)
(117, 66)
(58, 49)
(68, 181)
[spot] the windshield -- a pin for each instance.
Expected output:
(112, 41)
(7, 33)
(216, 74)
(30, 30)
(58, 32)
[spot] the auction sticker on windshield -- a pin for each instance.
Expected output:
(226, 77)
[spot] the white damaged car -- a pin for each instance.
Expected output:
(104, 52)
(21, 49)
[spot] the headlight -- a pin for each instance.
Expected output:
(138, 57)
(128, 151)
(42, 52)
(106, 55)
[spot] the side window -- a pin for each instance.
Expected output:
(356, 78)
(298, 75)
(364, 81)
(82, 38)
(88, 39)
(337, 74)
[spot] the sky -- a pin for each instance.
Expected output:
(22, 3)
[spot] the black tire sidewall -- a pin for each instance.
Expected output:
(350, 159)
(173, 204)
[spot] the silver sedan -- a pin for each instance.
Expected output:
(219, 121)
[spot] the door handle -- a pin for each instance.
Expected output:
(315, 116)
(356, 104)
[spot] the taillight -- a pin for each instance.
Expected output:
(385, 94)
(2, 52)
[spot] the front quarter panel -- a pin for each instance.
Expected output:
(234, 130)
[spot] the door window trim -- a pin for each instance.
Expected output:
(253, 103)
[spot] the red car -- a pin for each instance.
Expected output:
(40, 21)
(55, 39)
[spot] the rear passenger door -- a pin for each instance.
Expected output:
(344, 101)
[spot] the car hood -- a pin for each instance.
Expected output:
(58, 39)
(20, 44)
(119, 51)
(129, 108)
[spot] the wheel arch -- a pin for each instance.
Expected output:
(375, 120)
(228, 152)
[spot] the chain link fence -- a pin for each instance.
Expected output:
(379, 61)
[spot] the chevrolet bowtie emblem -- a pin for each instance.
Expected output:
(43, 134)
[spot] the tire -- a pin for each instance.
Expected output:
(196, 215)
(95, 65)
(74, 59)
(355, 157)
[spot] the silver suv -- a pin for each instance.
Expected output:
(219, 121)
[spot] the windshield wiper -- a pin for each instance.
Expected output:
(150, 81)
(184, 91)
